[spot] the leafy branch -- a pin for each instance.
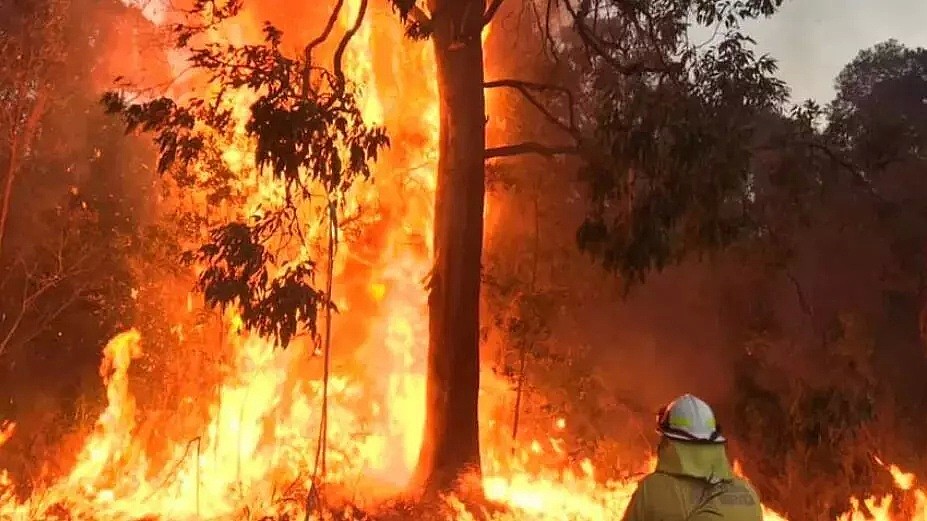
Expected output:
(667, 148)
(308, 135)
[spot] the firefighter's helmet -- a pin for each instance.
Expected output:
(689, 419)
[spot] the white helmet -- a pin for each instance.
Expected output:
(688, 418)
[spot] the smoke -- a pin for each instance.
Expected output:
(81, 194)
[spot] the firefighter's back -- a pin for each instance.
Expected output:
(733, 500)
(666, 497)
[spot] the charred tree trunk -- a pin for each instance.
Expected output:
(451, 443)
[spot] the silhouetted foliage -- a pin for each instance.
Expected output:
(879, 112)
(671, 129)
(238, 270)
(842, 208)
(308, 134)
(416, 27)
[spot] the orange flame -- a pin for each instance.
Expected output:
(7, 428)
(259, 440)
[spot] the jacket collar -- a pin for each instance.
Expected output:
(697, 460)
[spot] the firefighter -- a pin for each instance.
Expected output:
(693, 480)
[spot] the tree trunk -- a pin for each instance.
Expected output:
(450, 449)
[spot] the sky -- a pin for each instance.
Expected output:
(814, 39)
(811, 39)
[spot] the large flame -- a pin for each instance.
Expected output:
(259, 443)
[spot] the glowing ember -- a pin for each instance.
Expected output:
(255, 454)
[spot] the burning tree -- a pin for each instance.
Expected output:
(662, 139)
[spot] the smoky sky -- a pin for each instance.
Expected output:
(814, 39)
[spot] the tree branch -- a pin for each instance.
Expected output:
(530, 147)
(307, 51)
(525, 88)
(47, 318)
(858, 175)
(343, 44)
(542, 24)
(326, 32)
(420, 16)
(800, 294)
(593, 42)
(491, 11)
(27, 301)
(36, 284)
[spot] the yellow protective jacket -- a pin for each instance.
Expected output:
(693, 482)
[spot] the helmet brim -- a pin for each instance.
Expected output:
(689, 438)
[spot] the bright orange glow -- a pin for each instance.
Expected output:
(258, 442)
(7, 429)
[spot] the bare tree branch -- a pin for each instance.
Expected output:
(525, 88)
(307, 51)
(27, 301)
(47, 318)
(599, 47)
(800, 295)
(346, 39)
(33, 317)
(858, 176)
(530, 147)
(542, 23)
(491, 11)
